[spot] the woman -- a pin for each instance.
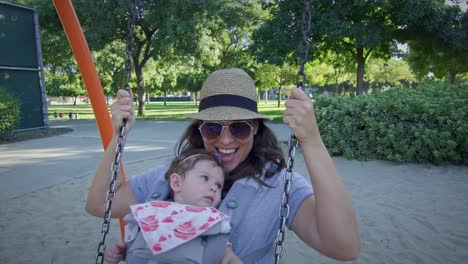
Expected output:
(229, 125)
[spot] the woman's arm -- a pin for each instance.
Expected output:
(325, 221)
(96, 200)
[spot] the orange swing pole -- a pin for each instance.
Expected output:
(83, 57)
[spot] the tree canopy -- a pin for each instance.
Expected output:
(178, 43)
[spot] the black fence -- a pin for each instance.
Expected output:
(171, 99)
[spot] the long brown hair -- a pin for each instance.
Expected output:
(265, 149)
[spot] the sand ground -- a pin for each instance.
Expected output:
(407, 213)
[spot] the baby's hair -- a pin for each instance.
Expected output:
(187, 160)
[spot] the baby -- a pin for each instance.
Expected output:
(195, 178)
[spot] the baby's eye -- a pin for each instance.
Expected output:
(204, 177)
(220, 186)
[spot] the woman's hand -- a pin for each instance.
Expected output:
(115, 253)
(122, 109)
(300, 117)
(230, 257)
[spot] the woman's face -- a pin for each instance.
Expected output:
(232, 140)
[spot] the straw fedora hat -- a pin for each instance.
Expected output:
(228, 94)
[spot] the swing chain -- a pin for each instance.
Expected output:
(129, 40)
(284, 208)
(115, 169)
(120, 140)
(304, 45)
(293, 142)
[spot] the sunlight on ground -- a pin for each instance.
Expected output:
(17, 157)
(143, 148)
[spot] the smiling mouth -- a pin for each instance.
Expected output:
(226, 151)
(226, 155)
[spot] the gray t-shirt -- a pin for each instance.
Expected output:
(256, 222)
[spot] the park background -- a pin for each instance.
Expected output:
(388, 77)
(388, 80)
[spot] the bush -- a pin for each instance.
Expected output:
(426, 124)
(9, 112)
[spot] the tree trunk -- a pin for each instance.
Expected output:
(74, 100)
(279, 96)
(195, 98)
(165, 97)
(266, 96)
(141, 90)
(361, 62)
(453, 74)
(337, 86)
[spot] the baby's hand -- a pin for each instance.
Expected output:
(230, 257)
(115, 253)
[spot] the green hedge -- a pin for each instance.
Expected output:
(9, 112)
(426, 124)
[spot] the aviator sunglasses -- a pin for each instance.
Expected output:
(239, 130)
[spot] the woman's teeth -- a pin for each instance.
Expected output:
(226, 151)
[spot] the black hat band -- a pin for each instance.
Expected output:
(228, 100)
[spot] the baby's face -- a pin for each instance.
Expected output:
(201, 185)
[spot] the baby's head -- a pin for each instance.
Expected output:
(196, 178)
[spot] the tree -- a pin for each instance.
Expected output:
(152, 76)
(233, 34)
(441, 47)
(276, 76)
(164, 28)
(357, 28)
(224, 43)
(192, 82)
(319, 73)
(109, 62)
(176, 28)
(264, 77)
(341, 68)
(392, 71)
(64, 84)
(274, 42)
(219, 30)
(62, 75)
(169, 73)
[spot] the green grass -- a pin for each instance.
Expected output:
(157, 111)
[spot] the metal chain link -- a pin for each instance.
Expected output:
(293, 142)
(130, 29)
(304, 45)
(284, 208)
(115, 168)
(120, 141)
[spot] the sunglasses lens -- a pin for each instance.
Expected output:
(240, 130)
(211, 130)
